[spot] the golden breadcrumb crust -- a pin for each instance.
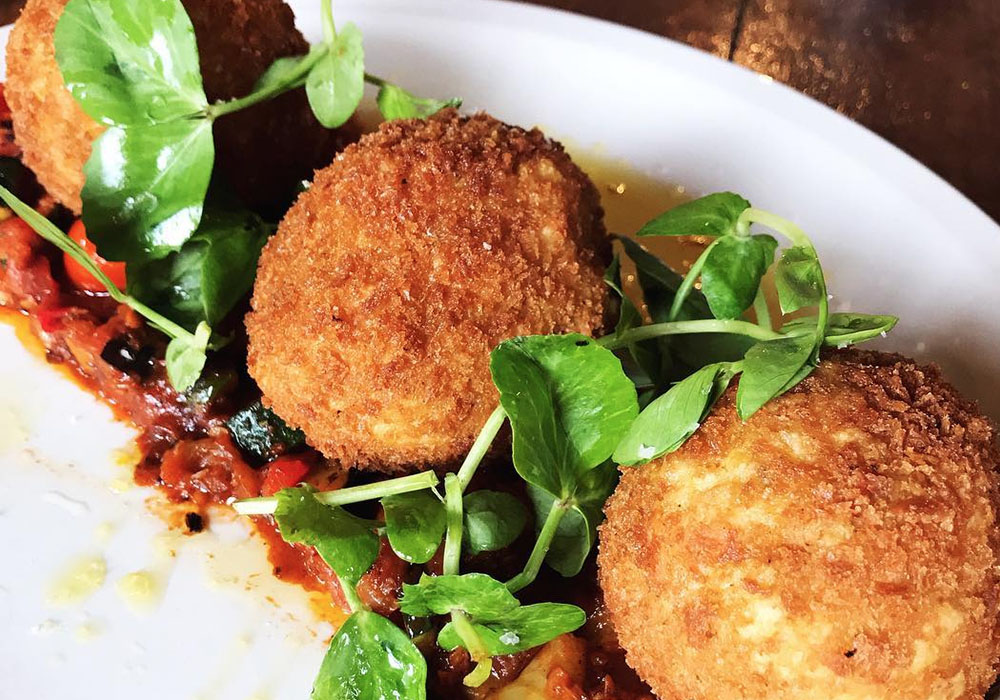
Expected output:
(411, 256)
(842, 544)
(263, 149)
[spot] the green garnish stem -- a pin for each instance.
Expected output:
(266, 505)
(541, 548)
(476, 648)
(655, 330)
(688, 282)
(798, 237)
(329, 28)
(294, 81)
(453, 519)
(350, 595)
(50, 232)
(761, 311)
(480, 446)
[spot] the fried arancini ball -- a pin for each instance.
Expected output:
(263, 150)
(392, 278)
(841, 544)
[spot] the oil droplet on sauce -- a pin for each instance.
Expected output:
(88, 631)
(140, 590)
(77, 582)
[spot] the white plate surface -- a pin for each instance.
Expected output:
(894, 237)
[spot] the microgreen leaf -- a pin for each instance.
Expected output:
(479, 595)
(526, 627)
(732, 272)
(345, 542)
(396, 103)
(211, 272)
(493, 520)
(337, 80)
(799, 279)
(414, 524)
(569, 403)
(185, 357)
(770, 369)
(577, 530)
(711, 215)
(370, 657)
(260, 434)
(845, 328)
(666, 423)
(145, 187)
(130, 63)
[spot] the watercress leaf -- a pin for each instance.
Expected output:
(145, 188)
(569, 403)
(396, 103)
(666, 423)
(526, 627)
(212, 271)
(845, 328)
(346, 542)
(577, 531)
(185, 357)
(130, 63)
(370, 657)
(289, 72)
(771, 368)
(261, 435)
(337, 80)
(733, 270)
(711, 215)
(414, 524)
(479, 595)
(799, 279)
(492, 520)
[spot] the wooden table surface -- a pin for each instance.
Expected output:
(925, 74)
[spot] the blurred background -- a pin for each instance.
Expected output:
(925, 74)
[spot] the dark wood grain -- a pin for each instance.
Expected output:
(925, 74)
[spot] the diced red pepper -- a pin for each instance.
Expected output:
(283, 473)
(79, 275)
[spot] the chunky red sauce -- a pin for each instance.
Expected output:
(188, 454)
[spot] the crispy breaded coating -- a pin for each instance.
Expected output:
(840, 544)
(263, 150)
(413, 254)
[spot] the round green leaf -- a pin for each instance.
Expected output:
(526, 627)
(346, 542)
(667, 422)
(732, 272)
(415, 524)
(770, 369)
(145, 188)
(371, 658)
(711, 215)
(336, 82)
(493, 520)
(569, 403)
(129, 62)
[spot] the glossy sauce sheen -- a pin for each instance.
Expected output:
(186, 450)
